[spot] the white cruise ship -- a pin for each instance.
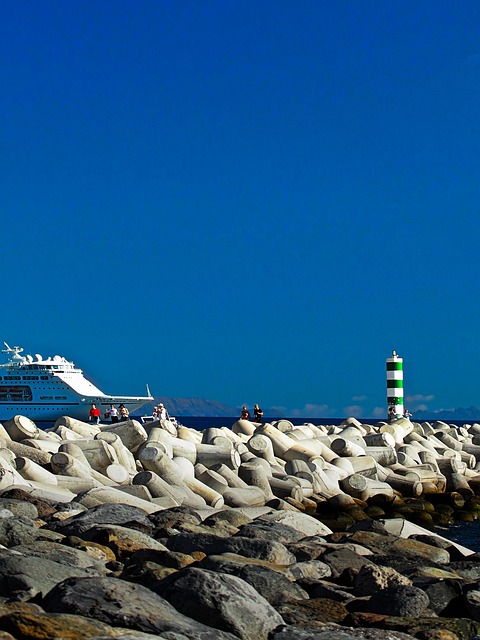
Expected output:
(43, 389)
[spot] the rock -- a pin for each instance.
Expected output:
(307, 549)
(23, 576)
(122, 540)
(139, 635)
(310, 572)
(233, 563)
(312, 613)
(164, 557)
(53, 625)
(293, 632)
(371, 578)
(469, 570)
(398, 600)
(116, 514)
(262, 549)
(145, 572)
(16, 530)
(20, 507)
(463, 628)
(127, 605)
(472, 602)
(389, 544)
(219, 600)
(61, 553)
(331, 591)
(340, 560)
(234, 516)
(93, 549)
(175, 517)
(445, 597)
(302, 522)
(437, 634)
(264, 530)
(273, 586)
(419, 550)
(44, 508)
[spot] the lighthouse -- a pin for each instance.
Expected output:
(395, 386)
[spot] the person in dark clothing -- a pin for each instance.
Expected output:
(257, 414)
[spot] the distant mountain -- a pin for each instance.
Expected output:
(190, 407)
(469, 413)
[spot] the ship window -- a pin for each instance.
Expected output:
(30, 378)
(10, 393)
(43, 377)
(12, 377)
(46, 397)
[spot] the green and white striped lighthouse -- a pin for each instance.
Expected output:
(395, 385)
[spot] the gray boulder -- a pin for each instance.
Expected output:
(472, 602)
(265, 530)
(128, 605)
(222, 601)
(122, 540)
(273, 586)
(61, 553)
(398, 600)
(19, 508)
(235, 517)
(23, 576)
(16, 529)
(340, 560)
(445, 597)
(174, 517)
(331, 632)
(331, 591)
(271, 551)
(115, 514)
(308, 548)
(309, 573)
(469, 570)
(371, 578)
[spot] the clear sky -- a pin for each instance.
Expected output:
(245, 201)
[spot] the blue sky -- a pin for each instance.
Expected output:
(245, 201)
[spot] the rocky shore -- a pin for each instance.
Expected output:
(258, 532)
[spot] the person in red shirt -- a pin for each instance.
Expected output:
(245, 415)
(94, 415)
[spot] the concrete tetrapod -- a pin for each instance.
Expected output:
(21, 427)
(131, 433)
(83, 429)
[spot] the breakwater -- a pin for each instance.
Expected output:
(273, 531)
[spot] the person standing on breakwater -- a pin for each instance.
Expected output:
(245, 415)
(391, 412)
(257, 414)
(112, 413)
(124, 412)
(407, 414)
(94, 414)
(162, 413)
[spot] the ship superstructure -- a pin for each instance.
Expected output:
(43, 389)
